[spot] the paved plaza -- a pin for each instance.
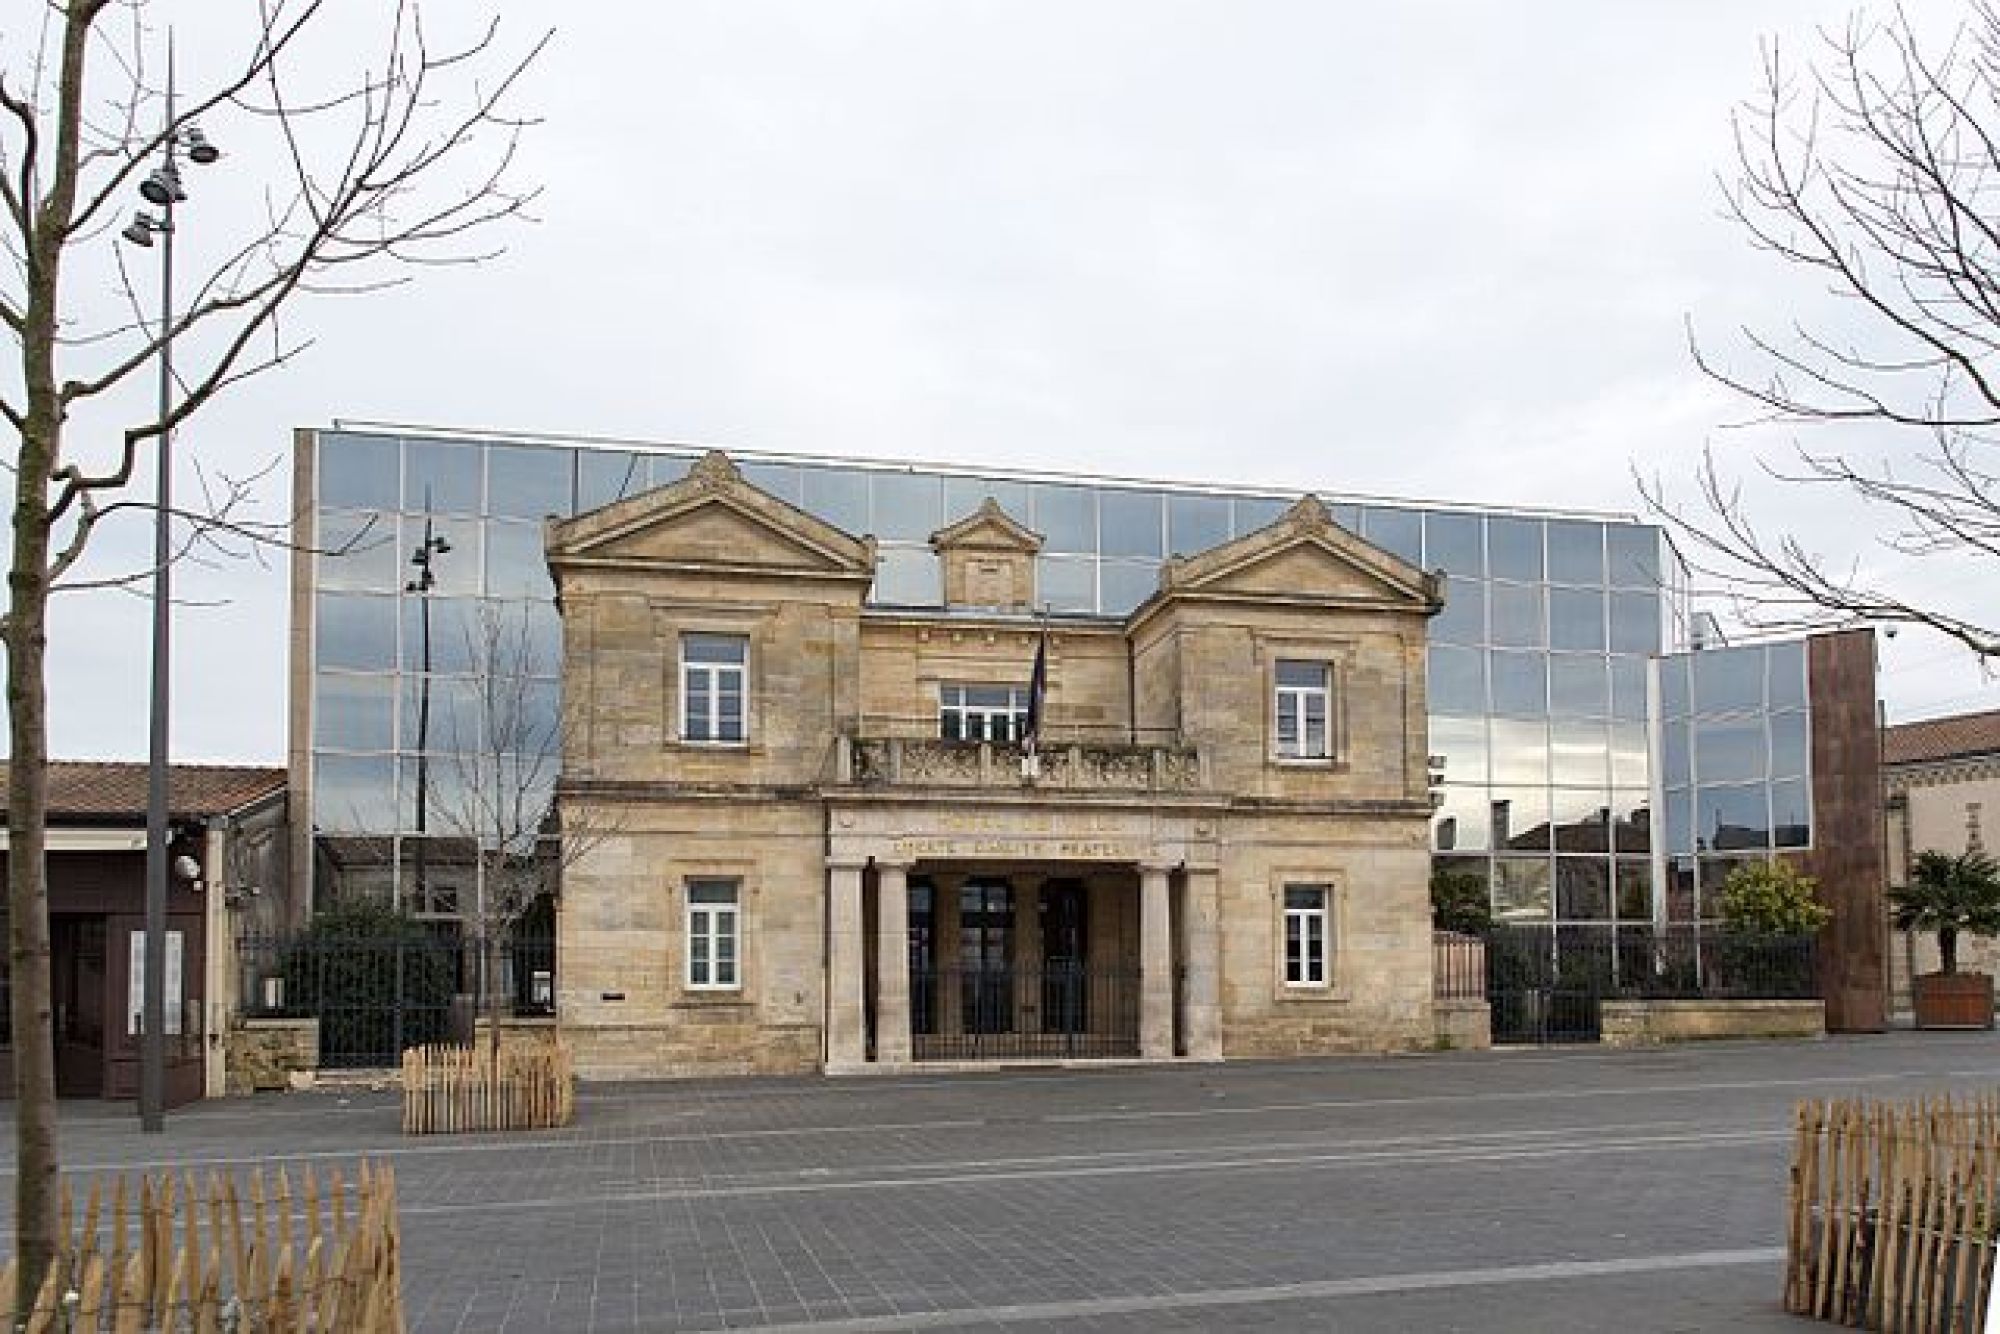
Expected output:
(1516, 1190)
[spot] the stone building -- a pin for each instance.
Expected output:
(1940, 786)
(828, 833)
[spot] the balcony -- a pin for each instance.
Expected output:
(1071, 766)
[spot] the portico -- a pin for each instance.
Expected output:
(1020, 931)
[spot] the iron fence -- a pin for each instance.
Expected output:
(975, 1013)
(1546, 984)
(375, 997)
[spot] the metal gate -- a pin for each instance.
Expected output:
(1544, 986)
(1060, 1011)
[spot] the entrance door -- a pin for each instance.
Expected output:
(77, 973)
(923, 957)
(986, 955)
(1065, 964)
(125, 964)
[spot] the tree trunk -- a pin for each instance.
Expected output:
(36, 1219)
(489, 1000)
(1947, 950)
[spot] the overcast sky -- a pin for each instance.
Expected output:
(1428, 250)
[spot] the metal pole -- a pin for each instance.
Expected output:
(153, 1004)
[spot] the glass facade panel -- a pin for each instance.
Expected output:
(1398, 531)
(1066, 517)
(447, 714)
(1730, 750)
(1632, 827)
(1130, 523)
(1196, 523)
(1579, 686)
(1633, 555)
(1791, 744)
(1514, 548)
(363, 472)
(1786, 674)
(1791, 813)
(1458, 680)
(1521, 889)
(1581, 819)
(1628, 687)
(354, 712)
(963, 495)
(1456, 544)
(1731, 818)
(1628, 754)
(516, 566)
(667, 469)
(1676, 700)
(1255, 513)
(356, 631)
(1463, 620)
(1576, 619)
(359, 551)
(527, 482)
(1520, 818)
(354, 794)
(1462, 743)
(1520, 684)
(1576, 552)
(780, 479)
(909, 506)
(442, 477)
(1520, 751)
(1583, 889)
(1519, 620)
(1728, 680)
(1635, 890)
(1464, 822)
(1579, 753)
(604, 477)
(1635, 623)
(909, 577)
(457, 634)
(1067, 583)
(1126, 584)
(837, 495)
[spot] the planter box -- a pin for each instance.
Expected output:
(1953, 1000)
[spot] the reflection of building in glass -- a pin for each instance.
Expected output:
(1538, 665)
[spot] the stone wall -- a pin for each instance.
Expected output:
(1644, 1023)
(1463, 1025)
(271, 1054)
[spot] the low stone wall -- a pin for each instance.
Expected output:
(1463, 1025)
(516, 1033)
(270, 1054)
(1643, 1023)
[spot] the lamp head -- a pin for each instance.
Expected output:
(199, 150)
(140, 230)
(163, 187)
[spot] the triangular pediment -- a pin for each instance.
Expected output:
(1305, 556)
(988, 528)
(712, 519)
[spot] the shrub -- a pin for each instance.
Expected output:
(1460, 902)
(376, 979)
(1772, 899)
(1948, 895)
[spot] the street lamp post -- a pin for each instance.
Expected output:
(427, 551)
(162, 189)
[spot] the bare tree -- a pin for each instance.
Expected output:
(1874, 172)
(400, 163)
(494, 801)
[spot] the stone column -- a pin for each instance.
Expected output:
(846, 1036)
(1156, 967)
(1204, 966)
(892, 963)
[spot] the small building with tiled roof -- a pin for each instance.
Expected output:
(228, 846)
(1941, 788)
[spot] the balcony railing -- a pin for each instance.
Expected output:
(1105, 766)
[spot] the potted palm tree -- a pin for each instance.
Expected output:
(1949, 896)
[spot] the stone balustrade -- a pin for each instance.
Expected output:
(1078, 766)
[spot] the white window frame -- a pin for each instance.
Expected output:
(1313, 928)
(1292, 703)
(710, 921)
(715, 679)
(1011, 717)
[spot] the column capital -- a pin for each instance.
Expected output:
(846, 863)
(891, 864)
(1158, 867)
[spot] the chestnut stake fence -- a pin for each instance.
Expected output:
(529, 1086)
(179, 1255)
(1892, 1213)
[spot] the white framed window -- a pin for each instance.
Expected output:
(714, 669)
(1306, 920)
(982, 713)
(714, 931)
(1302, 708)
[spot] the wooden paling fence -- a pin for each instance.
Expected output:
(180, 1255)
(530, 1086)
(1891, 1224)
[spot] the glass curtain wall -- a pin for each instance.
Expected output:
(1538, 670)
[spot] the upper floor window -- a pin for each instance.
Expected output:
(1304, 699)
(982, 713)
(1305, 935)
(713, 670)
